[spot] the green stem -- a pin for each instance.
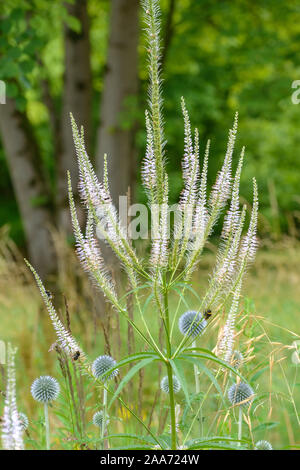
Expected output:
(172, 406)
(197, 388)
(104, 417)
(47, 426)
(196, 373)
(170, 373)
(240, 424)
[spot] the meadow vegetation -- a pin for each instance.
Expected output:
(193, 347)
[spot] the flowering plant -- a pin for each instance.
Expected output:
(173, 258)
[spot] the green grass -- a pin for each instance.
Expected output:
(267, 326)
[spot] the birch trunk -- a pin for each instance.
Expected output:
(120, 83)
(77, 100)
(29, 185)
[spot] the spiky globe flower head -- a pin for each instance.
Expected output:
(45, 389)
(98, 419)
(164, 384)
(237, 359)
(101, 365)
(240, 392)
(263, 445)
(24, 421)
(191, 323)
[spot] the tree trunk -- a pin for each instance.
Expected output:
(77, 100)
(168, 33)
(29, 185)
(120, 83)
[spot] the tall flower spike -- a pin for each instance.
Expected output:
(160, 231)
(200, 221)
(227, 339)
(65, 339)
(221, 190)
(97, 199)
(232, 217)
(89, 254)
(190, 163)
(249, 242)
(187, 202)
(11, 424)
(153, 27)
(246, 254)
(90, 189)
(148, 167)
(226, 269)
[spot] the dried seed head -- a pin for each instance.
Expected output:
(98, 419)
(45, 389)
(237, 359)
(263, 445)
(101, 365)
(238, 393)
(191, 323)
(164, 384)
(23, 420)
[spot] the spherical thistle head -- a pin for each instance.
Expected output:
(98, 419)
(164, 384)
(263, 445)
(237, 359)
(45, 389)
(23, 421)
(191, 323)
(101, 365)
(239, 393)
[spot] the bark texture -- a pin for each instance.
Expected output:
(30, 187)
(77, 100)
(120, 83)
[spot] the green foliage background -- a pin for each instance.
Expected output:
(223, 56)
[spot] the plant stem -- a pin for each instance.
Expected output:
(47, 426)
(240, 424)
(197, 388)
(170, 372)
(104, 417)
(172, 406)
(197, 385)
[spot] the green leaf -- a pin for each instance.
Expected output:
(131, 448)
(213, 358)
(129, 375)
(217, 442)
(182, 298)
(258, 374)
(187, 286)
(176, 366)
(209, 374)
(12, 90)
(264, 426)
(144, 439)
(205, 351)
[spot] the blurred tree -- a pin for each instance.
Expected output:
(31, 188)
(119, 97)
(76, 98)
(222, 56)
(39, 207)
